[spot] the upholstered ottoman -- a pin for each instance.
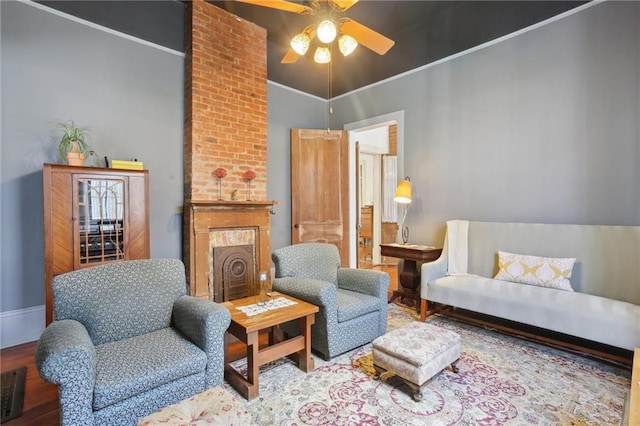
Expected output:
(416, 353)
(215, 406)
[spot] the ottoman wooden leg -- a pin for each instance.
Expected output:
(379, 372)
(454, 367)
(416, 391)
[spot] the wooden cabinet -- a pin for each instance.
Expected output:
(366, 233)
(92, 216)
(366, 221)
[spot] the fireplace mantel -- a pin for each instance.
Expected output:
(225, 204)
(203, 217)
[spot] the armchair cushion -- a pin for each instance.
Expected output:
(123, 366)
(352, 304)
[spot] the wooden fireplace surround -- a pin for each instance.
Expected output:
(202, 217)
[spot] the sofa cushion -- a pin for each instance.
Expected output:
(600, 319)
(549, 272)
(352, 305)
(129, 367)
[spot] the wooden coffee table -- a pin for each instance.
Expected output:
(247, 329)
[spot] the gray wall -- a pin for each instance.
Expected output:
(130, 96)
(542, 127)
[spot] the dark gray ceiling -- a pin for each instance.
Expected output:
(424, 31)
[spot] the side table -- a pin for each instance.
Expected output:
(408, 270)
(247, 328)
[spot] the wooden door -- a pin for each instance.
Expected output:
(320, 188)
(358, 185)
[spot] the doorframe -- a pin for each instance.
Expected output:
(381, 120)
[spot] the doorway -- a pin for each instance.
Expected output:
(376, 146)
(369, 205)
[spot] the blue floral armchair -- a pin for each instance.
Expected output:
(127, 340)
(352, 302)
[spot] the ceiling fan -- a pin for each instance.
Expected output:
(330, 23)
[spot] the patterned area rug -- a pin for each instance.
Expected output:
(502, 381)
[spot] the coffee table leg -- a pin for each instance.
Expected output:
(253, 345)
(276, 335)
(305, 362)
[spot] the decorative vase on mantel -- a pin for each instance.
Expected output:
(220, 173)
(249, 175)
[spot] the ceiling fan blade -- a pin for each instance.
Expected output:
(344, 4)
(367, 37)
(287, 6)
(290, 57)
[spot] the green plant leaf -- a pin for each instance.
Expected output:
(73, 136)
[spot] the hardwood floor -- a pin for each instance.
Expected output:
(41, 398)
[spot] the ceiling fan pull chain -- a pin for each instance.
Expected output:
(330, 83)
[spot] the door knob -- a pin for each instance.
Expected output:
(297, 225)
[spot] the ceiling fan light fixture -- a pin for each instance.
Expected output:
(347, 44)
(327, 31)
(300, 43)
(322, 55)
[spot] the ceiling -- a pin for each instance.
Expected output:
(423, 31)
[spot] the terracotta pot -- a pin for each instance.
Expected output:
(75, 158)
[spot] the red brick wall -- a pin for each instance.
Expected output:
(393, 139)
(225, 103)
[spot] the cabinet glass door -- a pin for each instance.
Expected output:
(100, 220)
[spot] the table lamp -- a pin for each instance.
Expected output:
(403, 196)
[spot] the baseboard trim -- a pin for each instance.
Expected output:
(21, 326)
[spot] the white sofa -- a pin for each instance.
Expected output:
(604, 308)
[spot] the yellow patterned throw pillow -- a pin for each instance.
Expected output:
(541, 271)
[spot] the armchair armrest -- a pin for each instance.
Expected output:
(66, 356)
(65, 353)
(431, 271)
(204, 323)
(201, 320)
(316, 292)
(373, 283)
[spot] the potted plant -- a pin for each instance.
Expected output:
(73, 146)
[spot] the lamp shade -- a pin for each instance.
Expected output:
(327, 31)
(347, 44)
(403, 192)
(300, 43)
(322, 55)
